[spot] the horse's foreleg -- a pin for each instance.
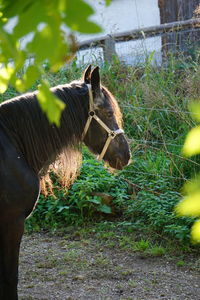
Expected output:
(10, 237)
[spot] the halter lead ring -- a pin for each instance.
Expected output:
(92, 115)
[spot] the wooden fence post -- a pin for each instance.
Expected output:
(109, 48)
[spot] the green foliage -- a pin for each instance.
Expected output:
(81, 23)
(43, 21)
(154, 198)
(85, 200)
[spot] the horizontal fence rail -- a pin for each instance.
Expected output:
(165, 31)
(143, 32)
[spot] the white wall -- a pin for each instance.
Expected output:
(120, 16)
(123, 15)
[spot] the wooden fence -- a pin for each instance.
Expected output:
(108, 42)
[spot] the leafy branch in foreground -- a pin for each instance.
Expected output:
(36, 30)
(190, 204)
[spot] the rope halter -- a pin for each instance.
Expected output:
(92, 115)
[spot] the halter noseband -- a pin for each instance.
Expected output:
(92, 115)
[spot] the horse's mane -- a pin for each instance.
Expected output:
(40, 142)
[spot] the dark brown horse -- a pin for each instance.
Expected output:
(28, 144)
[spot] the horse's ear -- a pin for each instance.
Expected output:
(95, 81)
(86, 74)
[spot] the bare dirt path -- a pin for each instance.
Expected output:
(53, 267)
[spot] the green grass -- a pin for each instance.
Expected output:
(142, 197)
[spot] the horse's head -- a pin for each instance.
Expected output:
(103, 134)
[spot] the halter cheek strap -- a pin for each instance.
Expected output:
(92, 115)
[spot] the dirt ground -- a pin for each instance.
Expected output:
(56, 267)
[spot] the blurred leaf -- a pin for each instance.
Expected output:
(189, 206)
(50, 104)
(79, 22)
(19, 60)
(192, 142)
(192, 186)
(48, 44)
(5, 75)
(24, 26)
(29, 78)
(12, 8)
(195, 231)
(195, 110)
(108, 2)
(7, 46)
